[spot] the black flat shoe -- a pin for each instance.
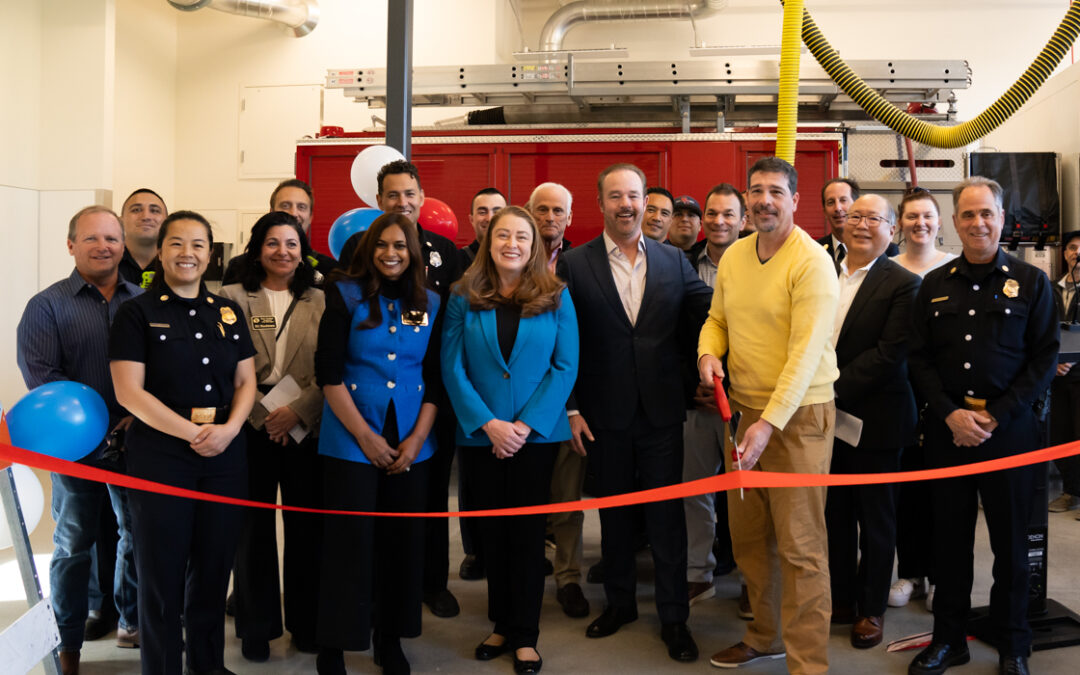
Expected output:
(611, 620)
(486, 652)
(527, 667)
(937, 658)
(391, 658)
(330, 662)
(255, 650)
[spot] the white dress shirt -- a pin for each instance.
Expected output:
(629, 279)
(849, 286)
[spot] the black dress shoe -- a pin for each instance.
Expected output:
(486, 652)
(527, 667)
(99, 625)
(330, 662)
(472, 568)
(1013, 665)
(214, 671)
(573, 601)
(937, 658)
(442, 603)
(680, 645)
(595, 574)
(255, 650)
(609, 621)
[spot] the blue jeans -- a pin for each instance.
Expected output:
(75, 508)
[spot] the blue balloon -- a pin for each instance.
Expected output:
(348, 224)
(62, 419)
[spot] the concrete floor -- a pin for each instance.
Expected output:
(447, 644)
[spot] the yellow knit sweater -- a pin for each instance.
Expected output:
(774, 320)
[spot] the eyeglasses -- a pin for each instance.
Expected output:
(871, 221)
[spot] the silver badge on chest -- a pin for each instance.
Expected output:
(434, 259)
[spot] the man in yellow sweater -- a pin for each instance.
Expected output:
(772, 314)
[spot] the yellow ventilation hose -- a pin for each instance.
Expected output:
(787, 111)
(898, 120)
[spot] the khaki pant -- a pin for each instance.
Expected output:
(566, 481)
(780, 542)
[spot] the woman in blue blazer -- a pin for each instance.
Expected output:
(377, 362)
(509, 361)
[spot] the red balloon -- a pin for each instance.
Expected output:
(435, 216)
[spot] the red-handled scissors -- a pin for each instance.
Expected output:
(732, 420)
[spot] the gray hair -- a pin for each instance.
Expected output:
(980, 181)
(86, 211)
(544, 186)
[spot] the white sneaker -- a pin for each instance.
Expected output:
(903, 590)
(930, 598)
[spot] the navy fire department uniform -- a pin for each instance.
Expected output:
(191, 348)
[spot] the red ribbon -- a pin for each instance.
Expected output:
(728, 481)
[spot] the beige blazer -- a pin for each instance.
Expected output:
(303, 329)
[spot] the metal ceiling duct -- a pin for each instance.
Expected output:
(575, 13)
(300, 15)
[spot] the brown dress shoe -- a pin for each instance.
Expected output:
(867, 632)
(69, 663)
(741, 654)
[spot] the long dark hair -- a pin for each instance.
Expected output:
(253, 273)
(362, 269)
(156, 267)
(539, 289)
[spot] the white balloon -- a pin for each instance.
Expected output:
(31, 498)
(365, 170)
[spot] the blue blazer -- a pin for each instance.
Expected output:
(532, 388)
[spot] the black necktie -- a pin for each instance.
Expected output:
(841, 251)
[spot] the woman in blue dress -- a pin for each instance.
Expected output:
(509, 361)
(377, 362)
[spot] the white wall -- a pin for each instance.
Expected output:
(144, 143)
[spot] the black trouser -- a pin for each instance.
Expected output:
(639, 458)
(513, 545)
(371, 566)
(914, 521)
(184, 549)
(861, 521)
(437, 530)
(470, 534)
(296, 469)
(1006, 500)
(1065, 428)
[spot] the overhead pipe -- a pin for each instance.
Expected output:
(300, 15)
(575, 13)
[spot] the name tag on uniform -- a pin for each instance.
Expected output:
(941, 299)
(158, 325)
(263, 323)
(414, 318)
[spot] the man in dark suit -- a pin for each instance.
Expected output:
(628, 404)
(837, 196)
(873, 324)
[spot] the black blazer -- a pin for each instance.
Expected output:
(871, 354)
(621, 365)
(891, 251)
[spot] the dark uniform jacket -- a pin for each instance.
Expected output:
(991, 338)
